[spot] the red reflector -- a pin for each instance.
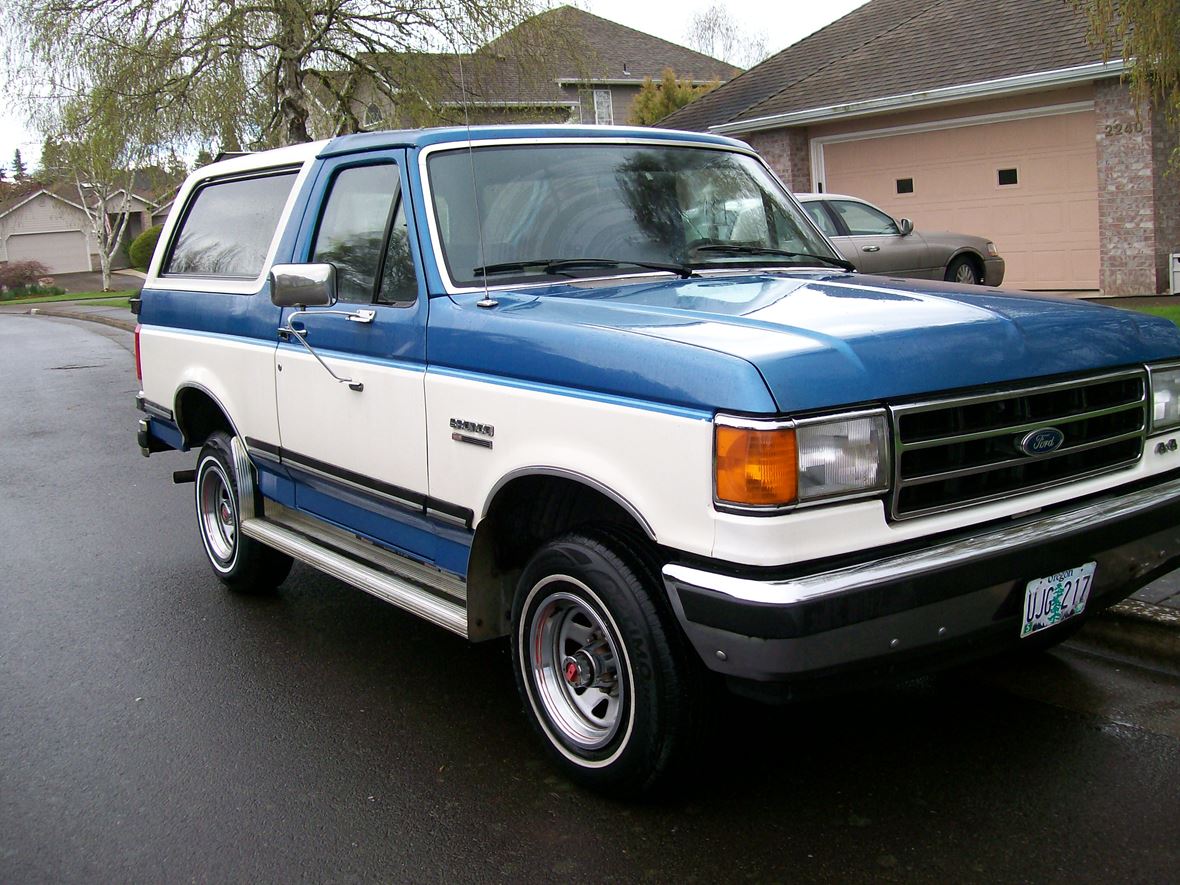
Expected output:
(138, 367)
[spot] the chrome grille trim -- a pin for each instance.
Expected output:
(1122, 399)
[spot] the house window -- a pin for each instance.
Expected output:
(373, 117)
(905, 185)
(1007, 176)
(604, 112)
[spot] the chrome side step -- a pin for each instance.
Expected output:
(400, 582)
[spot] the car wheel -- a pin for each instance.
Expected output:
(604, 674)
(964, 270)
(241, 563)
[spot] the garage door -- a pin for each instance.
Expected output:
(60, 251)
(1030, 185)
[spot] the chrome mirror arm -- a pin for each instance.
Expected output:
(360, 316)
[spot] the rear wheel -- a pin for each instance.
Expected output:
(605, 676)
(241, 563)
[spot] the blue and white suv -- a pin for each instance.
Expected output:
(538, 382)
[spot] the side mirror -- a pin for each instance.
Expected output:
(905, 226)
(303, 285)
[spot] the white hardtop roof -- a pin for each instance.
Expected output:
(284, 156)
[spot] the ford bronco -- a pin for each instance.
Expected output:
(540, 383)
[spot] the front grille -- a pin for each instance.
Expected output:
(961, 451)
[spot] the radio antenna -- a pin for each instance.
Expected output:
(487, 301)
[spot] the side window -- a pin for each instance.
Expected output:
(823, 221)
(229, 226)
(351, 233)
(863, 219)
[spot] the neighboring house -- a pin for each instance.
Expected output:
(997, 119)
(47, 223)
(160, 213)
(561, 66)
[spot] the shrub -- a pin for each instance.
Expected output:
(21, 273)
(26, 291)
(140, 251)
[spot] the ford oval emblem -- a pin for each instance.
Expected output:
(1042, 442)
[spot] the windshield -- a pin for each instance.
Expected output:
(545, 209)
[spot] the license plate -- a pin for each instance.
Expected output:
(1050, 600)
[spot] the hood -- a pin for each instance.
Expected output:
(821, 340)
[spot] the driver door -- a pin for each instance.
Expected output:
(357, 452)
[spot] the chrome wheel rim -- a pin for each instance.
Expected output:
(217, 511)
(966, 274)
(575, 665)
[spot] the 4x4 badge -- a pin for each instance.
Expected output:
(1042, 442)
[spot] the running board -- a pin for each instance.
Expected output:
(404, 592)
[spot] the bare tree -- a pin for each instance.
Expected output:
(714, 32)
(236, 74)
(103, 154)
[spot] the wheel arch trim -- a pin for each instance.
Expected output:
(178, 412)
(573, 476)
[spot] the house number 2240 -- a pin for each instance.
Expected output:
(1113, 129)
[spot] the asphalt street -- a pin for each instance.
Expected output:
(154, 727)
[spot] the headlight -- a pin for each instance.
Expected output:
(772, 465)
(992, 250)
(842, 457)
(1165, 397)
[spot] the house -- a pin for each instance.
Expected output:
(561, 66)
(47, 223)
(991, 118)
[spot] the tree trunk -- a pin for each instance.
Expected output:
(293, 110)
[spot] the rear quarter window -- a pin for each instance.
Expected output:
(229, 226)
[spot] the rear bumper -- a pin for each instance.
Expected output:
(917, 610)
(158, 432)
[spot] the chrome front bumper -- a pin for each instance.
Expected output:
(958, 597)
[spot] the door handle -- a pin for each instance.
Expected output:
(870, 248)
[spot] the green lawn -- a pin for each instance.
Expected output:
(120, 295)
(1169, 312)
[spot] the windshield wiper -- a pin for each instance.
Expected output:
(746, 249)
(557, 265)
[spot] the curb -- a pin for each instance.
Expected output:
(116, 322)
(1136, 632)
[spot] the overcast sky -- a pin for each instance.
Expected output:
(781, 22)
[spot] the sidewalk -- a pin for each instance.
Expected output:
(1149, 620)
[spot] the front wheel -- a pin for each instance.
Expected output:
(241, 563)
(604, 674)
(964, 270)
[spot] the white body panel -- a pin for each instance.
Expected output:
(237, 373)
(659, 463)
(377, 432)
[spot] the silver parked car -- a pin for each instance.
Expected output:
(878, 244)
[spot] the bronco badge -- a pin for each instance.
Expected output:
(472, 432)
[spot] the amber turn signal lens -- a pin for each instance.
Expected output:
(756, 467)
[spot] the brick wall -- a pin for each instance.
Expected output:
(788, 153)
(1128, 254)
(1167, 197)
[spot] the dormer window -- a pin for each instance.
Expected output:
(373, 117)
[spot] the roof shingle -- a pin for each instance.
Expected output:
(893, 47)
